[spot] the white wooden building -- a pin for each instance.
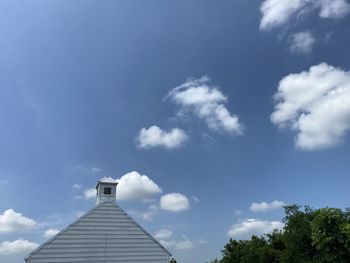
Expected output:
(105, 234)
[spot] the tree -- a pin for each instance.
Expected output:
(297, 235)
(330, 235)
(308, 236)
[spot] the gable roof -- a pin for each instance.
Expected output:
(104, 234)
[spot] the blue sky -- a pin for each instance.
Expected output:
(206, 109)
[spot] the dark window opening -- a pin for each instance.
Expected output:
(107, 190)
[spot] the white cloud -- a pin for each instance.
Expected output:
(150, 213)
(263, 206)
(163, 234)
(315, 104)
(249, 227)
(277, 13)
(17, 246)
(174, 202)
(207, 103)
(11, 221)
(90, 193)
(185, 244)
(333, 8)
(131, 187)
(51, 232)
(302, 42)
(195, 199)
(134, 186)
(86, 169)
(156, 137)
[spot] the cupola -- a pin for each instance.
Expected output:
(106, 190)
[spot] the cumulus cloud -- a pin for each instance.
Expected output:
(90, 193)
(277, 13)
(174, 202)
(163, 234)
(249, 227)
(314, 104)
(51, 232)
(156, 137)
(302, 42)
(134, 186)
(17, 246)
(264, 206)
(207, 103)
(11, 221)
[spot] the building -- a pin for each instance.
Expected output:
(105, 234)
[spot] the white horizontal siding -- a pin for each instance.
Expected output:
(105, 235)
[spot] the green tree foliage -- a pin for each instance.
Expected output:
(308, 236)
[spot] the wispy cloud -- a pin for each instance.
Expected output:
(264, 206)
(163, 234)
(207, 102)
(151, 212)
(302, 42)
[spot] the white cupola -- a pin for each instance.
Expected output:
(106, 190)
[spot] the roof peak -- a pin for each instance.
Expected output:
(107, 180)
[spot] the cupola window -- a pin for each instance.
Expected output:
(107, 190)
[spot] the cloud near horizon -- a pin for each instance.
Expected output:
(207, 102)
(17, 246)
(11, 221)
(248, 227)
(315, 105)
